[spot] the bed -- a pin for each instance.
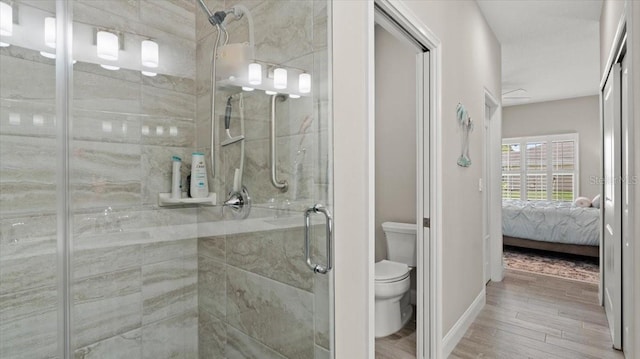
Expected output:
(553, 226)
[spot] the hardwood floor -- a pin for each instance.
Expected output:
(535, 316)
(400, 345)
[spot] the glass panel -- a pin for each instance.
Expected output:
(510, 157)
(536, 156)
(29, 298)
(257, 296)
(562, 187)
(134, 263)
(536, 187)
(151, 280)
(563, 153)
(510, 186)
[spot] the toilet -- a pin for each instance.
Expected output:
(392, 302)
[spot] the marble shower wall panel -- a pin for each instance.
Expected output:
(41, 85)
(149, 286)
(258, 299)
(275, 254)
(212, 336)
(16, 118)
(176, 17)
(32, 336)
(174, 337)
(273, 21)
(20, 271)
(104, 91)
(212, 286)
(127, 345)
(169, 288)
(27, 179)
(242, 346)
(275, 314)
(104, 175)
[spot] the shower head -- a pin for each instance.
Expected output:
(217, 18)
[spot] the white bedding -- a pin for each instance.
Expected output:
(548, 221)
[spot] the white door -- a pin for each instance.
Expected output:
(627, 188)
(612, 216)
(485, 187)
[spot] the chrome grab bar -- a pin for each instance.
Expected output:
(318, 268)
(272, 142)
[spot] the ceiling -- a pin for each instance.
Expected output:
(550, 48)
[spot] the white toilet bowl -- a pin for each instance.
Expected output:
(393, 309)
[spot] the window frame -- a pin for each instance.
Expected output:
(548, 140)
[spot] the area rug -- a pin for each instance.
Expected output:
(555, 264)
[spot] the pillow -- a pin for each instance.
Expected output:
(596, 201)
(582, 202)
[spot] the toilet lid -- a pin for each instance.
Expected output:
(388, 270)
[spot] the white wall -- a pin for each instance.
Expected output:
(581, 115)
(471, 61)
(395, 64)
(353, 259)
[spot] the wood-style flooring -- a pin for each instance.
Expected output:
(530, 315)
(527, 315)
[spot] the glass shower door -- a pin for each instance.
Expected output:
(29, 281)
(257, 297)
(147, 278)
(134, 270)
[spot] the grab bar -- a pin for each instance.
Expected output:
(272, 142)
(318, 268)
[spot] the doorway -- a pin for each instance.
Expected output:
(491, 198)
(402, 161)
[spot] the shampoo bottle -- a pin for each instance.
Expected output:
(176, 186)
(199, 187)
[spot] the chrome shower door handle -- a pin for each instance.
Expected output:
(318, 268)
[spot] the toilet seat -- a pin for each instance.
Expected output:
(388, 271)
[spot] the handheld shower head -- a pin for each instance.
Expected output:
(227, 124)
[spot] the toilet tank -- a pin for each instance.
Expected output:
(401, 242)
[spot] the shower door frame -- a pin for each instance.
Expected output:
(64, 79)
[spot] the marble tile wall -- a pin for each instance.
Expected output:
(134, 264)
(257, 298)
(302, 124)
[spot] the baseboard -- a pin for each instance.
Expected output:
(456, 333)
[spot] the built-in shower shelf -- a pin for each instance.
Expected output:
(164, 199)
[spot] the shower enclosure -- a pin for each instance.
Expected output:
(96, 96)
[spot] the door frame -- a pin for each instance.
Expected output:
(429, 293)
(493, 170)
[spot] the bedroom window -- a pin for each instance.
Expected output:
(540, 168)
